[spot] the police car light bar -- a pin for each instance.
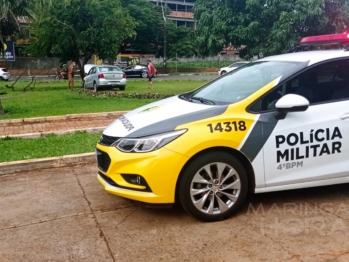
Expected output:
(325, 39)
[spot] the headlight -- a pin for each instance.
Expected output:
(147, 144)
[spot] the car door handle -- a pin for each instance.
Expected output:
(345, 116)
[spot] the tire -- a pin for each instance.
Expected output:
(122, 88)
(223, 73)
(208, 196)
(144, 75)
(95, 87)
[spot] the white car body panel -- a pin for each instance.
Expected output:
(152, 113)
(306, 163)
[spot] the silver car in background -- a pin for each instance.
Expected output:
(106, 77)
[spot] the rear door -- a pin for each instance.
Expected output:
(312, 145)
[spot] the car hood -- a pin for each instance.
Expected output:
(160, 117)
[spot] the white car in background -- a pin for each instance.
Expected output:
(4, 74)
(232, 67)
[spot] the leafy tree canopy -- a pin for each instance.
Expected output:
(71, 27)
(266, 26)
(149, 31)
(11, 9)
(182, 42)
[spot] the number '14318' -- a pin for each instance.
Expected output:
(227, 126)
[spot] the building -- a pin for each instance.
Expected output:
(182, 13)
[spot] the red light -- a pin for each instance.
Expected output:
(100, 76)
(124, 75)
(325, 39)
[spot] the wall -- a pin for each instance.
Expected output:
(192, 59)
(32, 63)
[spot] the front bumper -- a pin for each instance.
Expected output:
(159, 171)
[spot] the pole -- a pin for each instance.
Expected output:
(165, 38)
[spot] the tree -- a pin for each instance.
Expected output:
(150, 31)
(10, 10)
(182, 42)
(266, 26)
(150, 26)
(71, 28)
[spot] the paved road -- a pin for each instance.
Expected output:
(64, 214)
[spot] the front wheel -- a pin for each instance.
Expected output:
(95, 87)
(144, 74)
(213, 186)
(223, 73)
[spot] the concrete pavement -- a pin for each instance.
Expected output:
(64, 214)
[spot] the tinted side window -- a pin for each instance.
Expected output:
(322, 84)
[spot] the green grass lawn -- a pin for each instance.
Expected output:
(13, 149)
(52, 98)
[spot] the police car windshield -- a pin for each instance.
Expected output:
(242, 82)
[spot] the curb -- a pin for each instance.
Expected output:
(59, 133)
(7, 168)
(70, 117)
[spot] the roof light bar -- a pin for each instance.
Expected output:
(325, 39)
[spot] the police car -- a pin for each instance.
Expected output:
(278, 123)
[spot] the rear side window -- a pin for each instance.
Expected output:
(4, 69)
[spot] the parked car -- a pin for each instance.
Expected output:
(105, 76)
(232, 67)
(136, 71)
(278, 123)
(4, 74)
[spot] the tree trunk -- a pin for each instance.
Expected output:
(87, 56)
(1, 109)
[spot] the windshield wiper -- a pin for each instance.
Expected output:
(202, 100)
(184, 97)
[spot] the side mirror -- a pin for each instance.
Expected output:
(290, 103)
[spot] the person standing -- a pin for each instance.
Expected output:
(71, 75)
(151, 73)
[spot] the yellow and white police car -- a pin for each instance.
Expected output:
(278, 123)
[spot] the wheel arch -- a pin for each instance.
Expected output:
(237, 154)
